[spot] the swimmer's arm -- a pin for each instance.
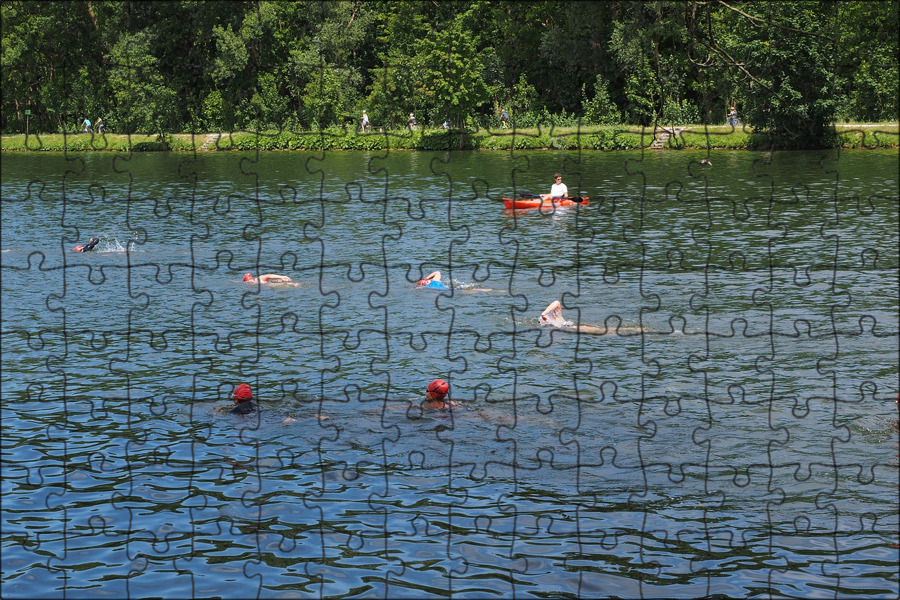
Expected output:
(550, 308)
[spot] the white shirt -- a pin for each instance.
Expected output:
(558, 190)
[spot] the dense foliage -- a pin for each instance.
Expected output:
(791, 67)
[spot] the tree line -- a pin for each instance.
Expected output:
(191, 66)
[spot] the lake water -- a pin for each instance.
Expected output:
(734, 433)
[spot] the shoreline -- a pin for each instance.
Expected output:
(604, 138)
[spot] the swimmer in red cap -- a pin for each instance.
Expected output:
(243, 400)
(432, 280)
(267, 278)
(436, 395)
(87, 247)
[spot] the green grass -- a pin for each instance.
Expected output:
(562, 138)
(82, 142)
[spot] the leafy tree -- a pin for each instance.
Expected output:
(514, 32)
(651, 45)
(639, 88)
(525, 103)
(599, 108)
(328, 67)
(397, 89)
(144, 102)
(868, 60)
(213, 112)
(227, 71)
(453, 70)
(270, 103)
(781, 56)
(181, 36)
(398, 77)
(793, 67)
(50, 65)
(326, 99)
(573, 50)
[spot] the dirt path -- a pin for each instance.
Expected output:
(663, 138)
(212, 138)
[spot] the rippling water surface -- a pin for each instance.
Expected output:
(729, 429)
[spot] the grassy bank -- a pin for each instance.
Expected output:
(592, 138)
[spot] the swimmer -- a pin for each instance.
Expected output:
(268, 278)
(433, 280)
(436, 395)
(465, 290)
(288, 420)
(243, 400)
(87, 247)
(553, 317)
(437, 404)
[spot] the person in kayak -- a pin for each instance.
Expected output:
(87, 247)
(433, 280)
(243, 400)
(267, 278)
(558, 189)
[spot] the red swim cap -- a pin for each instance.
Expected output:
(247, 276)
(437, 390)
(242, 393)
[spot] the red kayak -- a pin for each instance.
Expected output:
(543, 201)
